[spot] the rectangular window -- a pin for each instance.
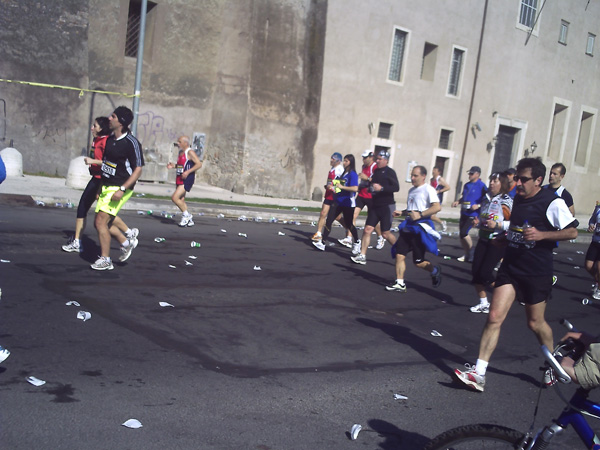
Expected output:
(445, 139)
(133, 26)
(528, 12)
(455, 71)
(589, 49)
(564, 29)
(583, 140)
(384, 131)
(429, 59)
(397, 58)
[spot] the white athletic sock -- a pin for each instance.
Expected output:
(77, 242)
(126, 243)
(481, 367)
(186, 213)
(483, 301)
(318, 233)
(400, 280)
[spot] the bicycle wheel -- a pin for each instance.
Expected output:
(476, 437)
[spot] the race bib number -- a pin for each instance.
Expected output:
(466, 205)
(516, 239)
(109, 169)
(178, 169)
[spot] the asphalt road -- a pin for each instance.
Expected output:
(288, 357)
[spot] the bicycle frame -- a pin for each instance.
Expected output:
(573, 417)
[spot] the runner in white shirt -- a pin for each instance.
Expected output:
(417, 233)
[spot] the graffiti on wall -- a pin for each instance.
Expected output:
(152, 130)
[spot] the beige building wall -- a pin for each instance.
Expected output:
(517, 86)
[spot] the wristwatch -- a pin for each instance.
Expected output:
(123, 188)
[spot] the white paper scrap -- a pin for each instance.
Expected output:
(187, 263)
(281, 233)
(355, 430)
(223, 231)
(35, 381)
(132, 423)
(172, 266)
(400, 397)
(192, 257)
(257, 268)
(84, 315)
(72, 303)
(165, 305)
(435, 333)
(4, 260)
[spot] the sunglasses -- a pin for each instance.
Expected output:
(522, 179)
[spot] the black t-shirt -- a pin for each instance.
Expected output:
(121, 157)
(387, 178)
(546, 212)
(562, 193)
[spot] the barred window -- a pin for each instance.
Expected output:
(397, 58)
(455, 71)
(133, 26)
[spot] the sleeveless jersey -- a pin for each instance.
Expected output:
(363, 190)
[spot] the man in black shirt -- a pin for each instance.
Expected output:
(557, 173)
(121, 168)
(539, 218)
(384, 183)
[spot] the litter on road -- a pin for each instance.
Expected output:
(132, 423)
(84, 315)
(35, 381)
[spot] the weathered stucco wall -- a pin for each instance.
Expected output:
(44, 42)
(248, 74)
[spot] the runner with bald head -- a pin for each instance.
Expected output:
(187, 165)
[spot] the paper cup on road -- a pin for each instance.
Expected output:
(84, 315)
(355, 430)
(195, 244)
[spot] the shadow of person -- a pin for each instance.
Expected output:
(436, 354)
(430, 351)
(395, 437)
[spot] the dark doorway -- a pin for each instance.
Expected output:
(504, 148)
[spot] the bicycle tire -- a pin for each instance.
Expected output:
(476, 437)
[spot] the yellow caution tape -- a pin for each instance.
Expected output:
(81, 90)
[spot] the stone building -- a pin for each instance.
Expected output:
(276, 86)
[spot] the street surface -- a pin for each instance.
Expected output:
(286, 357)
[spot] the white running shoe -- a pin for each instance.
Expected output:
(356, 248)
(359, 259)
(471, 378)
(72, 246)
(444, 226)
(126, 251)
(319, 245)
(596, 294)
(481, 308)
(380, 242)
(395, 286)
(461, 259)
(346, 242)
(133, 233)
(185, 220)
(190, 223)
(102, 263)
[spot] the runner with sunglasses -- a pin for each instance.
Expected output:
(539, 218)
